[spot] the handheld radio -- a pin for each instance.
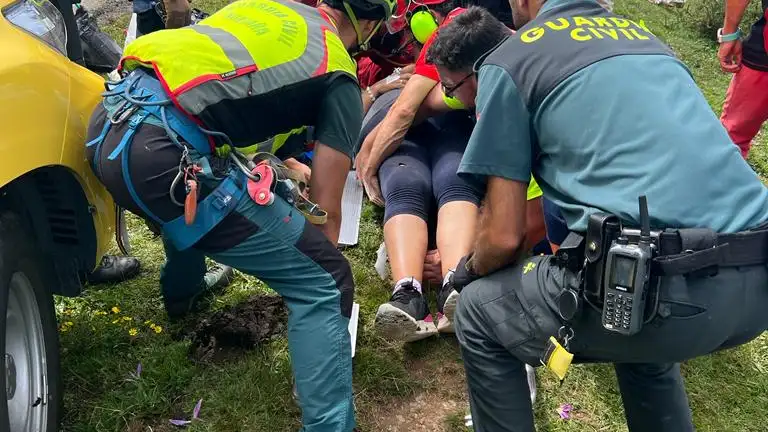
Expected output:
(628, 268)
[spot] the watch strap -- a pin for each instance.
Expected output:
(730, 37)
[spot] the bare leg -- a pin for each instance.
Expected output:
(406, 239)
(406, 315)
(456, 226)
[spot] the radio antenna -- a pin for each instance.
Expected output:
(645, 220)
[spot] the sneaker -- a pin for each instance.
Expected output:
(406, 316)
(447, 299)
(114, 269)
(216, 279)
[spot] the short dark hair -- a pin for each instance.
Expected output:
(446, 7)
(465, 39)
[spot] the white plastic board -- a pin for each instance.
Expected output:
(353, 320)
(351, 206)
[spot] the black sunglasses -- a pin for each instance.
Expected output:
(448, 91)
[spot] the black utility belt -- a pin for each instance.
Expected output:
(684, 251)
(620, 267)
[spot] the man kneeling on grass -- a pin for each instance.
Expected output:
(555, 103)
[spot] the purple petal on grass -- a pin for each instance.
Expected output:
(138, 370)
(180, 422)
(565, 411)
(196, 411)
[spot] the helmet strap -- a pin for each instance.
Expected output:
(362, 45)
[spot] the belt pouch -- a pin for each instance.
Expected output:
(602, 230)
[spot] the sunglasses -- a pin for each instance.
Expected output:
(448, 91)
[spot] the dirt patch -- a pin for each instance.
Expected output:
(429, 410)
(236, 329)
(424, 412)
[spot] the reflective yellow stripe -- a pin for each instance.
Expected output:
(534, 191)
(273, 144)
(180, 54)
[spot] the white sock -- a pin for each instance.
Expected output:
(448, 276)
(416, 284)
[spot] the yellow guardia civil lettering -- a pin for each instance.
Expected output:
(583, 29)
(532, 35)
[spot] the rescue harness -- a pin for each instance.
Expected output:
(138, 98)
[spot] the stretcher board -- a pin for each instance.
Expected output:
(353, 320)
(351, 207)
(130, 33)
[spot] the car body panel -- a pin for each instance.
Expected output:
(45, 105)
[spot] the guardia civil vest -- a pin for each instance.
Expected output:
(254, 69)
(565, 39)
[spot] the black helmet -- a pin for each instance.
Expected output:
(373, 10)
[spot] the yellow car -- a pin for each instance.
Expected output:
(56, 220)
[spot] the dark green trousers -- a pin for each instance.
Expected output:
(504, 320)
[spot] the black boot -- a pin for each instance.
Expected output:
(114, 269)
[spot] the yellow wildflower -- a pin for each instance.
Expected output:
(116, 321)
(127, 319)
(147, 322)
(158, 329)
(115, 309)
(99, 313)
(133, 332)
(69, 323)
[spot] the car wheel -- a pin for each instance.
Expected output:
(29, 342)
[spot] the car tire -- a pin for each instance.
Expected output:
(29, 341)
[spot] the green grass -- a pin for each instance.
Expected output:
(728, 391)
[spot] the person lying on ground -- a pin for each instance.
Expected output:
(419, 178)
(419, 175)
(555, 103)
(410, 177)
(174, 118)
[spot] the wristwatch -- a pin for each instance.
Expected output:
(730, 37)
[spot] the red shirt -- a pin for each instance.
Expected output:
(427, 69)
(369, 73)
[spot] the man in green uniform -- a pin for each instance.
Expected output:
(554, 100)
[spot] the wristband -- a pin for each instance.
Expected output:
(370, 94)
(730, 37)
